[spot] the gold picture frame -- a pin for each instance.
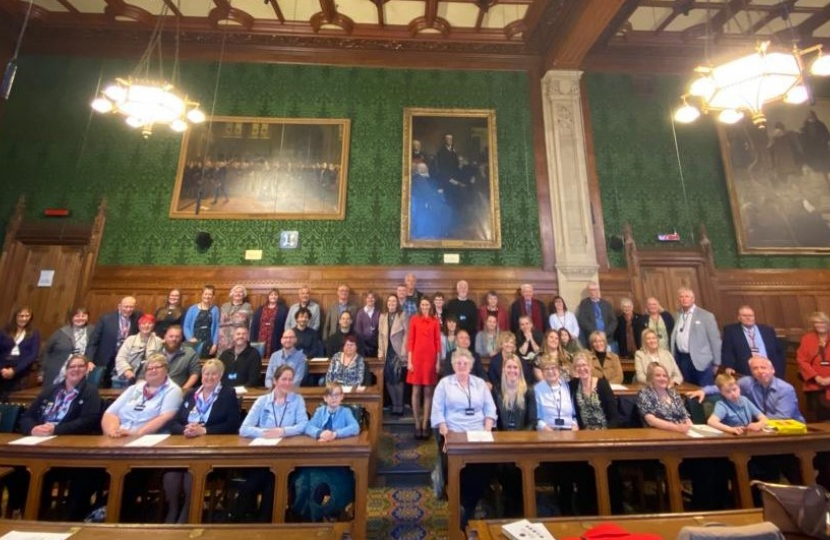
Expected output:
(263, 168)
(779, 180)
(450, 187)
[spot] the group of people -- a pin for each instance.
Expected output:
(549, 369)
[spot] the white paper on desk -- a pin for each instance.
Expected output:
(27, 535)
(320, 360)
(347, 389)
(523, 529)
(240, 390)
(699, 431)
(619, 387)
(479, 436)
(31, 441)
(147, 440)
(262, 441)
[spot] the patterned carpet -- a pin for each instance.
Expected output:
(406, 511)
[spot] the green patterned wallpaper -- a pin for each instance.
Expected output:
(639, 175)
(55, 152)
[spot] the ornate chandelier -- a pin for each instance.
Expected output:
(146, 100)
(745, 85)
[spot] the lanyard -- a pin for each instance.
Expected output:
(558, 400)
(202, 405)
(146, 395)
(685, 315)
(739, 413)
(284, 409)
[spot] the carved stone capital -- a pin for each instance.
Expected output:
(560, 84)
(584, 272)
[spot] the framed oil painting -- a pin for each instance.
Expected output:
(450, 180)
(779, 180)
(263, 168)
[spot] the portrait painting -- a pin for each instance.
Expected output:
(779, 180)
(263, 168)
(450, 180)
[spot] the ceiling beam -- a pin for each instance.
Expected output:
(69, 7)
(781, 10)
(585, 23)
(173, 8)
(483, 7)
(716, 23)
(680, 7)
(277, 11)
(811, 24)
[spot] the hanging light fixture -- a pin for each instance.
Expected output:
(744, 86)
(146, 99)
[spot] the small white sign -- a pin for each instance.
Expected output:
(452, 258)
(253, 254)
(289, 239)
(46, 278)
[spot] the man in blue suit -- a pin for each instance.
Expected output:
(744, 339)
(110, 332)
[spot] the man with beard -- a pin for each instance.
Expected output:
(182, 362)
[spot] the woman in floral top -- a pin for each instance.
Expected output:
(660, 406)
(595, 403)
(347, 367)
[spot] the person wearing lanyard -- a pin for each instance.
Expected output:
(212, 409)
(71, 407)
(279, 414)
(553, 401)
(464, 403)
(735, 413)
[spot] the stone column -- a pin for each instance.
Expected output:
(576, 258)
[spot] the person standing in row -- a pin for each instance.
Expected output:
(268, 323)
(109, 334)
(235, 312)
(464, 309)
(201, 324)
(696, 341)
(423, 349)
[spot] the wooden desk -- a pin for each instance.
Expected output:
(199, 456)
(90, 531)
(527, 450)
(370, 399)
(665, 525)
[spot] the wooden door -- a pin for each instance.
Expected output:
(662, 283)
(70, 250)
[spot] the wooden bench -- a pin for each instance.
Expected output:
(199, 456)
(527, 450)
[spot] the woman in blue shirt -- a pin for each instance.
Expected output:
(280, 413)
(553, 401)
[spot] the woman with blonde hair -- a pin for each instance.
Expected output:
(814, 364)
(515, 402)
(605, 362)
(553, 351)
(652, 353)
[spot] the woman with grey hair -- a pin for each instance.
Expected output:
(234, 313)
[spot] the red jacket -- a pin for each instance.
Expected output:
(811, 362)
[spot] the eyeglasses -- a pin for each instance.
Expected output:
(154, 368)
(336, 395)
(77, 366)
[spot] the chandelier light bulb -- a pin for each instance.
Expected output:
(821, 66)
(116, 93)
(196, 116)
(797, 95)
(102, 105)
(178, 125)
(134, 121)
(730, 116)
(686, 114)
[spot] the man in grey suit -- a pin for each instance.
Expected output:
(695, 341)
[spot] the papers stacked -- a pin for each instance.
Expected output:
(525, 530)
(479, 436)
(262, 441)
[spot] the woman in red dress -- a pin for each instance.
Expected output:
(423, 345)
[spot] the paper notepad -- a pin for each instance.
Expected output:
(262, 441)
(619, 387)
(347, 389)
(31, 441)
(147, 440)
(321, 360)
(240, 390)
(34, 535)
(479, 436)
(524, 530)
(699, 431)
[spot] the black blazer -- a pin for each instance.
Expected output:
(276, 329)
(528, 416)
(82, 418)
(606, 398)
(103, 343)
(494, 371)
(668, 320)
(735, 351)
(637, 326)
(224, 416)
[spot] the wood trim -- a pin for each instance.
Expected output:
(546, 231)
(593, 181)
(586, 23)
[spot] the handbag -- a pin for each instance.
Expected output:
(798, 510)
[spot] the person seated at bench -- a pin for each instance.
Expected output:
(134, 352)
(71, 407)
(242, 362)
(211, 409)
(734, 413)
(464, 403)
(147, 406)
(280, 413)
(594, 402)
(347, 367)
(331, 421)
(554, 404)
(652, 353)
(605, 362)
(660, 406)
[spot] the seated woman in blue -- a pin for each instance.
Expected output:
(280, 413)
(211, 409)
(554, 405)
(147, 406)
(331, 421)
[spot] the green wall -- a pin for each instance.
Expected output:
(58, 154)
(639, 175)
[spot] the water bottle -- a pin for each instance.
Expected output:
(193, 416)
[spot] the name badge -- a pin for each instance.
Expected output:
(232, 376)
(825, 363)
(462, 317)
(469, 411)
(754, 350)
(140, 407)
(559, 422)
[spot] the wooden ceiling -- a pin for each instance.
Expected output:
(621, 35)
